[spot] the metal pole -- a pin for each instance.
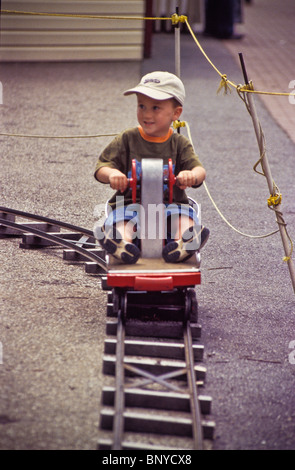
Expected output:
(177, 46)
(148, 30)
(268, 175)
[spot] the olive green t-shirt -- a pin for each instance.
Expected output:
(135, 144)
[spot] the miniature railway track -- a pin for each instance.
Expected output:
(152, 349)
(157, 377)
(43, 232)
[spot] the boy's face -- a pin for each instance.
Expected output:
(155, 117)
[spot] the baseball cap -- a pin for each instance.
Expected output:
(160, 86)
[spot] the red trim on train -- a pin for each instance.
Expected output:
(153, 282)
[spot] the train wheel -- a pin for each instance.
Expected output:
(192, 305)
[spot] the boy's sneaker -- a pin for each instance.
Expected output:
(112, 241)
(181, 250)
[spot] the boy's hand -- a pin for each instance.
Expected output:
(185, 179)
(118, 180)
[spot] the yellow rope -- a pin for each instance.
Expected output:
(178, 124)
(224, 81)
(206, 56)
(273, 201)
(275, 198)
(216, 207)
(178, 19)
(224, 84)
(6, 134)
(175, 18)
(229, 224)
(99, 17)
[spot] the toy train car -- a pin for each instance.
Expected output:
(157, 287)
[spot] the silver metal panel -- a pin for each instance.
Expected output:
(152, 208)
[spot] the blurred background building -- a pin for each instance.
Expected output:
(57, 38)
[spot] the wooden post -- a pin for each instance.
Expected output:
(267, 172)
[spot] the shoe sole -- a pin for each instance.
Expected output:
(183, 249)
(127, 252)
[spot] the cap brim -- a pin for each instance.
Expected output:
(151, 93)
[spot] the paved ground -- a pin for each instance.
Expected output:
(53, 314)
(268, 49)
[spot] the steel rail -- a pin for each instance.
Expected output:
(48, 220)
(118, 428)
(194, 401)
(148, 378)
(57, 240)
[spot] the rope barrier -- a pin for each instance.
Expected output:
(275, 198)
(34, 136)
(185, 124)
(175, 19)
(178, 18)
(178, 124)
(225, 83)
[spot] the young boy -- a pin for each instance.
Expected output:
(160, 98)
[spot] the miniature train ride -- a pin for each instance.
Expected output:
(152, 283)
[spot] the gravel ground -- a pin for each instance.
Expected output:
(53, 314)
